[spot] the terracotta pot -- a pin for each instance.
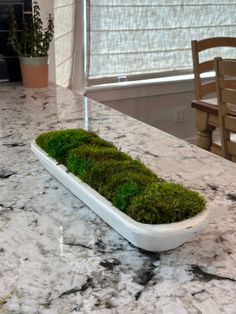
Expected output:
(34, 71)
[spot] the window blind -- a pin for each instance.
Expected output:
(141, 38)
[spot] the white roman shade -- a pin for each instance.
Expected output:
(150, 38)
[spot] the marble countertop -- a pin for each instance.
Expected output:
(57, 256)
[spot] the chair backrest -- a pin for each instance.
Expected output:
(226, 98)
(204, 88)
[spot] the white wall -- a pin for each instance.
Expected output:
(163, 105)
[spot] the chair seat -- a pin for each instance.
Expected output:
(216, 145)
(210, 105)
(210, 101)
(206, 105)
(217, 138)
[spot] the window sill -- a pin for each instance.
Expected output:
(141, 88)
(141, 83)
(147, 82)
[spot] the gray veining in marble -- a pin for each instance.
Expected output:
(57, 256)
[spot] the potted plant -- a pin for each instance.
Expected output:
(32, 45)
(150, 212)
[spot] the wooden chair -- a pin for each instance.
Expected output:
(205, 101)
(226, 99)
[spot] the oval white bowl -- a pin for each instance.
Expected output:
(155, 238)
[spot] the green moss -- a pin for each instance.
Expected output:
(107, 176)
(165, 202)
(43, 139)
(127, 183)
(78, 166)
(125, 194)
(101, 172)
(58, 143)
(120, 178)
(81, 160)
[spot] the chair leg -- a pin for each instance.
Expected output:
(204, 139)
(234, 158)
(204, 135)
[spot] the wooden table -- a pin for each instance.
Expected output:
(206, 121)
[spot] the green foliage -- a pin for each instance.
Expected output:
(33, 40)
(127, 183)
(165, 202)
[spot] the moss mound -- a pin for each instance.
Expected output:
(124, 195)
(165, 202)
(113, 189)
(59, 143)
(81, 160)
(127, 183)
(107, 176)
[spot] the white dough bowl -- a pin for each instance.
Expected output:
(155, 238)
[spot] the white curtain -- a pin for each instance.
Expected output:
(64, 39)
(151, 37)
(78, 68)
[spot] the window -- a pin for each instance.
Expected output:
(150, 38)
